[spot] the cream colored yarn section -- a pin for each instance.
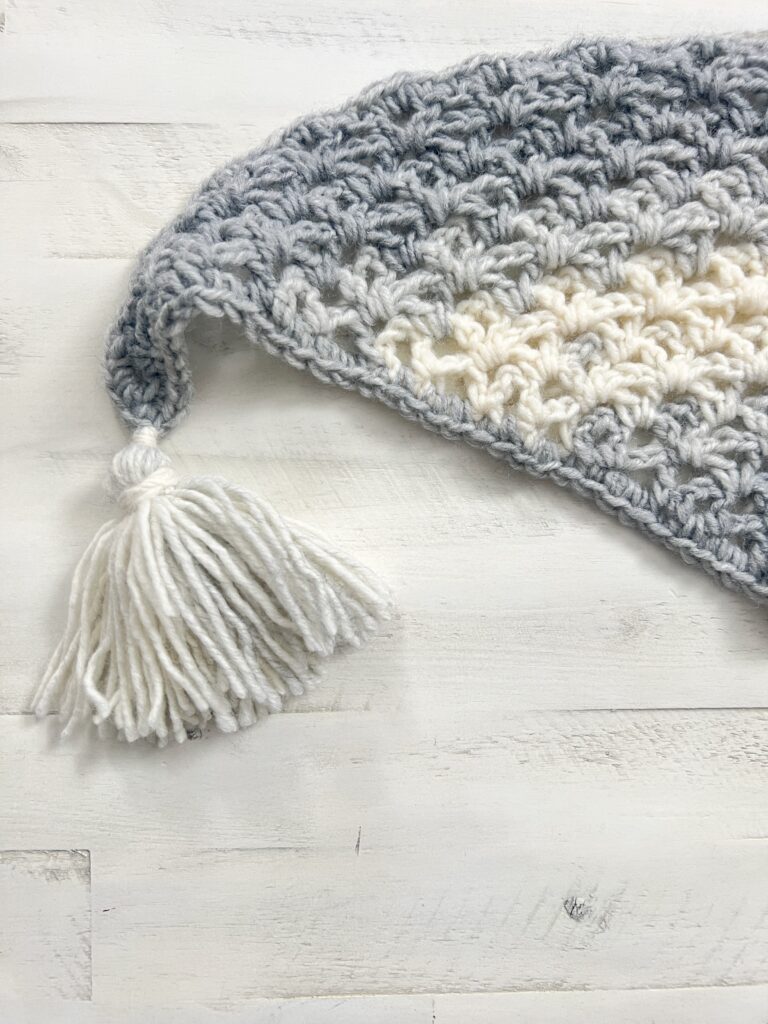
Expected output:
(655, 337)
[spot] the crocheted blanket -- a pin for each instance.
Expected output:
(560, 257)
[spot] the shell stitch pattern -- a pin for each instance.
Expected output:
(560, 257)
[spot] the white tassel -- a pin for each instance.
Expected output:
(199, 604)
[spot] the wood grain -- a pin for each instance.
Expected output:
(538, 797)
(46, 914)
(408, 780)
(162, 67)
(353, 25)
(435, 919)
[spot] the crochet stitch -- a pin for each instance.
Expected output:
(561, 258)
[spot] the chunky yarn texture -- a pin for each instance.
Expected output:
(561, 258)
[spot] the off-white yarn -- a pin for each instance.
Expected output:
(656, 334)
(199, 604)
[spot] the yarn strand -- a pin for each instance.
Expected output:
(199, 605)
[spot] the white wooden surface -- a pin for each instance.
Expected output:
(540, 797)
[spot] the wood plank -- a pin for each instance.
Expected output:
(349, 25)
(143, 79)
(136, 77)
(46, 943)
(284, 922)
(745, 1004)
(428, 777)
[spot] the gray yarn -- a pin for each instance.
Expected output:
(486, 178)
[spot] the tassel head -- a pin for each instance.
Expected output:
(140, 470)
(199, 604)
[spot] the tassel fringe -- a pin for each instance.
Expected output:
(199, 605)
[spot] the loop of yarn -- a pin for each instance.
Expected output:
(141, 470)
